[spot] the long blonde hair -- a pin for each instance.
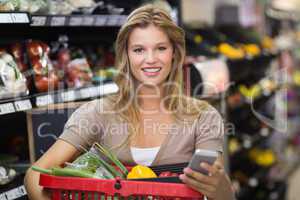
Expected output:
(178, 102)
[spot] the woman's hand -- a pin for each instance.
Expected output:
(215, 186)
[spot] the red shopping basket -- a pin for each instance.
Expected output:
(71, 188)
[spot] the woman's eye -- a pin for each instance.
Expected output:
(138, 50)
(162, 48)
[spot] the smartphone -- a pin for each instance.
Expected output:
(202, 155)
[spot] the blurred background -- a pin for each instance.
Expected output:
(242, 56)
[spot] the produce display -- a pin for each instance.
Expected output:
(31, 6)
(232, 44)
(45, 77)
(78, 71)
(57, 7)
(18, 53)
(6, 175)
(35, 66)
(12, 82)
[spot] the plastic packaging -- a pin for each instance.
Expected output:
(12, 82)
(45, 77)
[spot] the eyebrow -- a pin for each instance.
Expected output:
(140, 45)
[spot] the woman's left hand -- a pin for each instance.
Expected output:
(214, 186)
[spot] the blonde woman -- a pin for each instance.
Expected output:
(149, 121)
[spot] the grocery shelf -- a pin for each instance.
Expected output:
(25, 18)
(59, 96)
(14, 193)
(77, 20)
(15, 105)
(14, 18)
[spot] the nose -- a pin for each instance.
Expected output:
(150, 57)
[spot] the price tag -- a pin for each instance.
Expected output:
(58, 21)
(75, 21)
(23, 105)
(122, 19)
(100, 20)
(85, 93)
(101, 90)
(44, 100)
(68, 96)
(15, 193)
(108, 88)
(6, 108)
(112, 20)
(19, 18)
(38, 21)
(5, 18)
(88, 20)
(95, 91)
(214, 72)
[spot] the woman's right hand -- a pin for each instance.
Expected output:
(59, 153)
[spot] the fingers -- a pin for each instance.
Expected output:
(212, 169)
(215, 172)
(207, 185)
(198, 176)
(205, 189)
(218, 164)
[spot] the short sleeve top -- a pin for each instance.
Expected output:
(95, 121)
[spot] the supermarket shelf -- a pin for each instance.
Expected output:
(59, 96)
(13, 18)
(18, 192)
(77, 20)
(14, 189)
(15, 105)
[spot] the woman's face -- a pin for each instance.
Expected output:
(150, 54)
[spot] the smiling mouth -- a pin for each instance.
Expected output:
(152, 69)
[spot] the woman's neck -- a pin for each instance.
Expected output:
(150, 98)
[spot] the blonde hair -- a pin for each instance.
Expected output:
(178, 102)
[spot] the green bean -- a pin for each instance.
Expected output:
(41, 170)
(56, 171)
(71, 172)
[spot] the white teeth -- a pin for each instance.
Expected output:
(151, 69)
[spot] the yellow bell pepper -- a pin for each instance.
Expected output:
(296, 78)
(140, 171)
(198, 39)
(230, 51)
(251, 49)
(263, 158)
(234, 145)
(267, 43)
(251, 93)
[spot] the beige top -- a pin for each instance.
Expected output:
(95, 122)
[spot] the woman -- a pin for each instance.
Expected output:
(149, 121)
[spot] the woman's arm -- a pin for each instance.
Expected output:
(215, 186)
(57, 155)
